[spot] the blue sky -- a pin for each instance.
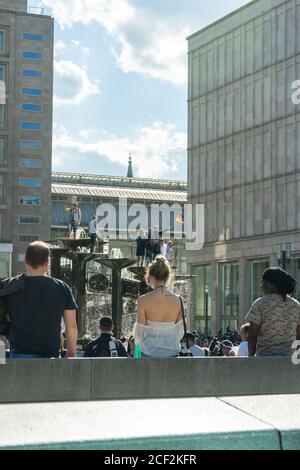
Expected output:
(121, 80)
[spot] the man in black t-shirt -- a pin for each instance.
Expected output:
(106, 345)
(36, 310)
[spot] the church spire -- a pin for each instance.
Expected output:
(130, 170)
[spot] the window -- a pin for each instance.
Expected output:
(2, 151)
(254, 272)
(2, 75)
(5, 262)
(28, 238)
(32, 37)
(29, 201)
(32, 73)
(30, 181)
(31, 163)
(29, 219)
(35, 108)
(2, 189)
(229, 283)
(2, 45)
(31, 126)
(202, 298)
(32, 91)
(31, 144)
(32, 55)
(2, 115)
(21, 257)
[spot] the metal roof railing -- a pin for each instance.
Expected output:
(36, 10)
(11, 6)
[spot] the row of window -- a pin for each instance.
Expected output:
(25, 37)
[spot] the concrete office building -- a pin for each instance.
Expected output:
(244, 154)
(26, 68)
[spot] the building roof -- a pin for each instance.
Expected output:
(115, 192)
(119, 181)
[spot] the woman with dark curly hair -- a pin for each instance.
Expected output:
(275, 317)
(159, 326)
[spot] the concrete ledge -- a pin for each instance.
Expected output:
(96, 379)
(135, 424)
(45, 380)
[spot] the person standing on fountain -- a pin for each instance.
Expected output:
(36, 311)
(141, 241)
(159, 325)
(75, 217)
(93, 233)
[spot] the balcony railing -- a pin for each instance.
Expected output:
(22, 9)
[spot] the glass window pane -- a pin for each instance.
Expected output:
(2, 115)
(28, 238)
(255, 270)
(31, 144)
(31, 163)
(229, 277)
(32, 126)
(5, 265)
(294, 270)
(29, 219)
(1, 40)
(29, 181)
(32, 91)
(29, 201)
(1, 151)
(32, 73)
(32, 37)
(32, 55)
(36, 108)
(1, 72)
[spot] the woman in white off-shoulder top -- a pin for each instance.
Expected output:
(159, 326)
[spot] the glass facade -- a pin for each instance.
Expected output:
(28, 238)
(32, 73)
(29, 219)
(254, 272)
(202, 298)
(32, 37)
(32, 55)
(2, 115)
(229, 291)
(29, 201)
(5, 263)
(35, 108)
(294, 270)
(2, 151)
(31, 163)
(32, 91)
(2, 45)
(31, 126)
(30, 181)
(31, 144)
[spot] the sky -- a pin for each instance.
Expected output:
(120, 83)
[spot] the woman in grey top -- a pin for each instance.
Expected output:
(274, 318)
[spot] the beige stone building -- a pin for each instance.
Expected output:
(26, 68)
(244, 155)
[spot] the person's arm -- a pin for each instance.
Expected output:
(71, 332)
(252, 338)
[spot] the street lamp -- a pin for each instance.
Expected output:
(283, 254)
(206, 290)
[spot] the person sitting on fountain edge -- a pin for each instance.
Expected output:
(106, 345)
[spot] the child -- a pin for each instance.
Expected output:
(243, 348)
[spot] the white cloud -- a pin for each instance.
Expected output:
(144, 42)
(72, 84)
(156, 149)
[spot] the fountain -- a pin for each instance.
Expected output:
(67, 249)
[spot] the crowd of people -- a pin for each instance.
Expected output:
(151, 245)
(32, 306)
